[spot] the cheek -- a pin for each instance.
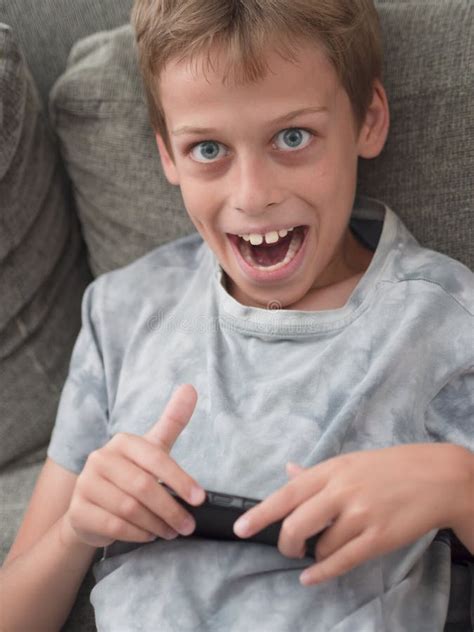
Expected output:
(200, 203)
(319, 183)
(335, 175)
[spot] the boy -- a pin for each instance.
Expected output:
(300, 318)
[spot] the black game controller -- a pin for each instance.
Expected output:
(215, 518)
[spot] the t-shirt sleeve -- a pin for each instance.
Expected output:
(450, 415)
(82, 415)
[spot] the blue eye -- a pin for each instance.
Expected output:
(294, 136)
(209, 149)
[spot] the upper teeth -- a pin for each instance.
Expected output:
(271, 238)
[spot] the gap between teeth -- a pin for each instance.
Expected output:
(296, 241)
(270, 238)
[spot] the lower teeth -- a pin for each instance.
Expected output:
(296, 241)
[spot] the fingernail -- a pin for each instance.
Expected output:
(187, 527)
(197, 495)
(242, 527)
(305, 577)
(170, 534)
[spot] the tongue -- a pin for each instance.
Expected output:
(270, 254)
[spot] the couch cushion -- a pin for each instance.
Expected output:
(43, 267)
(17, 481)
(46, 30)
(425, 170)
(424, 173)
(97, 107)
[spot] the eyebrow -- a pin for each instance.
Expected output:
(187, 129)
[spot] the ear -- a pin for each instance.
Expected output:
(167, 162)
(374, 131)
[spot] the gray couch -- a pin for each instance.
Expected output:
(82, 192)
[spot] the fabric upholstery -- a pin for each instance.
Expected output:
(425, 170)
(46, 30)
(43, 269)
(97, 108)
(17, 482)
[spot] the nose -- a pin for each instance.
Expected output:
(255, 186)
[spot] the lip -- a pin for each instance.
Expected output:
(274, 275)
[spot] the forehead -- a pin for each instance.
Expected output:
(190, 89)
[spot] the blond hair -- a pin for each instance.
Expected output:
(348, 31)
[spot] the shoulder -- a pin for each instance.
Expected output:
(149, 275)
(120, 300)
(450, 279)
(434, 276)
(425, 300)
(178, 255)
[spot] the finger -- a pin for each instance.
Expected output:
(118, 503)
(106, 527)
(343, 529)
(174, 418)
(279, 504)
(345, 559)
(308, 519)
(142, 486)
(293, 469)
(147, 457)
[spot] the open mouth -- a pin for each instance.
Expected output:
(270, 257)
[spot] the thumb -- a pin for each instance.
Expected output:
(174, 419)
(293, 469)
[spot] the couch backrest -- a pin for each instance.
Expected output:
(47, 29)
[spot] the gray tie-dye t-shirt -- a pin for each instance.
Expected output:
(393, 366)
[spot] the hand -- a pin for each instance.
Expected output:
(374, 501)
(117, 495)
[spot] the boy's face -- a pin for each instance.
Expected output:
(248, 172)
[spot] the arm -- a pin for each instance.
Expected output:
(462, 522)
(46, 578)
(44, 569)
(450, 417)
